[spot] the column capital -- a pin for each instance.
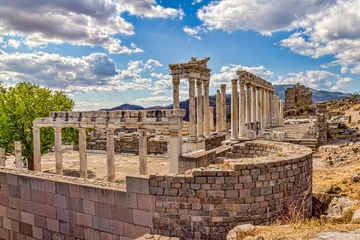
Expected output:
(206, 83)
(176, 80)
(191, 80)
(57, 129)
(223, 87)
(234, 81)
(36, 128)
(141, 130)
(110, 131)
(199, 81)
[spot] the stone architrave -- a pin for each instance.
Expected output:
(82, 152)
(176, 90)
(242, 111)
(18, 156)
(248, 107)
(192, 112)
(2, 157)
(58, 151)
(211, 119)
(206, 108)
(143, 169)
(37, 149)
(223, 105)
(199, 98)
(110, 151)
(218, 111)
(234, 109)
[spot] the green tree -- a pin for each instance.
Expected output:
(19, 107)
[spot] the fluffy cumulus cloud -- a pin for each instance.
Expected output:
(95, 72)
(323, 27)
(81, 22)
(229, 72)
(317, 80)
(194, 32)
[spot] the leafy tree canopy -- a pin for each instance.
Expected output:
(19, 106)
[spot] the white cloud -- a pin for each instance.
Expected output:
(194, 32)
(96, 72)
(13, 43)
(88, 106)
(316, 79)
(227, 73)
(196, 2)
(154, 101)
(83, 22)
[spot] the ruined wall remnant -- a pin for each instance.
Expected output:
(321, 126)
(297, 96)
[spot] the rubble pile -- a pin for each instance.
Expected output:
(341, 155)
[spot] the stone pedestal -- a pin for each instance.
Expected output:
(192, 113)
(200, 120)
(110, 151)
(37, 149)
(251, 134)
(174, 150)
(143, 170)
(82, 153)
(18, 155)
(58, 151)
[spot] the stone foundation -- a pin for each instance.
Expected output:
(321, 125)
(214, 141)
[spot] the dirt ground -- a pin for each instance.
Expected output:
(125, 164)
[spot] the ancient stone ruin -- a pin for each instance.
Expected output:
(217, 178)
(297, 96)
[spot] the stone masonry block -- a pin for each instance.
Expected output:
(89, 193)
(101, 224)
(143, 218)
(138, 184)
(125, 199)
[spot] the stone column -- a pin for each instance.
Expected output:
(234, 109)
(223, 105)
(176, 90)
(143, 170)
(37, 149)
(276, 109)
(200, 119)
(281, 111)
(174, 151)
(206, 109)
(248, 107)
(110, 151)
(242, 110)
(211, 118)
(58, 151)
(267, 108)
(259, 107)
(272, 109)
(2, 157)
(218, 111)
(253, 105)
(192, 113)
(18, 157)
(82, 152)
(264, 102)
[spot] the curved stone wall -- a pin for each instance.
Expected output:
(255, 186)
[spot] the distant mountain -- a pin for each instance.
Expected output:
(318, 96)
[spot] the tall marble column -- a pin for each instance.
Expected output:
(223, 105)
(234, 109)
(174, 151)
(2, 157)
(271, 109)
(276, 109)
(18, 155)
(253, 105)
(200, 119)
(192, 112)
(206, 109)
(281, 111)
(110, 151)
(58, 151)
(259, 107)
(264, 103)
(176, 90)
(248, 107)
(211, 119)
(37, 149)
(242, 110)
(218, 111)
(82, 152)
(143, 169)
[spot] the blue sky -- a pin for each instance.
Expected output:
(103, 53)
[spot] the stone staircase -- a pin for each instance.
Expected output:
(310, 143)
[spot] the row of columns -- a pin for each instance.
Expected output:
(174, 151)
(221, 109)
(200, 117)
(253, 108)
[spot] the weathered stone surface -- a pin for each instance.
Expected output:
(338, 206)
(354, 235)
(297, 96)
(356, 217)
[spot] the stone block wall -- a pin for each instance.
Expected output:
(250, 150)
(297, 96)
(209, 202)
(196, 160)
(32, 207)
(214, 141)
